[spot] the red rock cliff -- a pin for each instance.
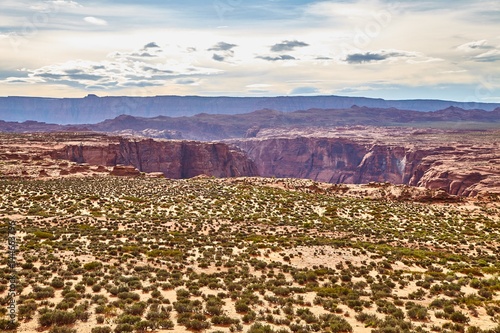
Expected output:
(175, 159)
(460, 171)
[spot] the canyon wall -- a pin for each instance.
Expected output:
(459, 163)
(338, 160)
(461, 170)
(175, 159)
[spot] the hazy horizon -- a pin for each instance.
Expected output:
(90, 95)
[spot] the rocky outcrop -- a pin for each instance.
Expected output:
(125, 171)
(175, 159)
(444, 173)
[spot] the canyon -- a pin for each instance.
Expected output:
(458, 162)
(463, 163)
(451, 149)
(41, 155)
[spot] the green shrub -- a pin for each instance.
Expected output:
(123, 328)
(62, 329)
(136, 309)
(417, 312)
(56, 317)
(128, 319)
(459, 317)
(197, 325)
(92, 266)
(165, 324)
(57, 283)
(101, 329)
(7, 325)
(43, 235)
(260, 328)
(129, 296)
(336, 323)
(222, 320)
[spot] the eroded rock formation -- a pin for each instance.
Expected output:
(175, 159)
(417, 160)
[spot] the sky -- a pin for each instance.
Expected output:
(374, 48)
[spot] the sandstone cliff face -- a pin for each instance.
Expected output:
(333, 161)
(328, 160)
(337, 160)
(457, 177)
(175, 159)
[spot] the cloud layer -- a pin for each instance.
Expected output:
(377, 48)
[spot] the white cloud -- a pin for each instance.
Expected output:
(359, 89)
(453, 71)
(121, 70)
(258, 85)
(489, 56)
(388, 56)
(424, 59)
(95, 20)
(474, 46)
(67, 3)
(53, 7)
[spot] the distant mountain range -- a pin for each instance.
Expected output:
(94, 109)
(218, 126)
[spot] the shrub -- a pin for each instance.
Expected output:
(165, 324)
(222, 320)
(62, 329)
(485, 293)
(56, 317)
(241, 307)
(43, 235)
(101, 329)
(57, 283)
(474, 329)
(142, 326)
(7, 325)
(197, 325)
(129, 319)
(260, 328)
(417, 312)
(42, 293)
(91, 266)
(124, 328)
(369, 320)
(27, 309)
(336, 323)
(80, 287)
(459, 317)
(136, 309)
(129, 296)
